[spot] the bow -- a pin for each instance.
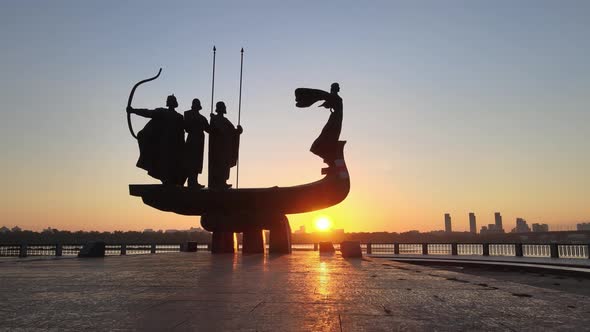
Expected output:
(131, 98)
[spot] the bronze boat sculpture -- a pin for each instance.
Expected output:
(251, 210)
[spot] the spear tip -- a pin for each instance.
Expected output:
(242, 50)
(214, 49)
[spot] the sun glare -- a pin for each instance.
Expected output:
(323, 223)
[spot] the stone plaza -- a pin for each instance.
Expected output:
(304, 291)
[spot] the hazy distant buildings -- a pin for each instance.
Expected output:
(498, 222)
(490, 228)
(338, 232)
(472, 223)
(301, 230)
(496, 227)
(521, 226)
(585, 226)
(448, 226)
(540, 227)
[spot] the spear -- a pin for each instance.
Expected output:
(239, 115)
(213, 80)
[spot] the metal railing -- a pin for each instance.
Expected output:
(502, 250)
(536, 250)
(551, 250)
(466, 249)
(10, 250)
(27, 250)
(573, 251)
(439, 249)
(408, 248)
(70, 249)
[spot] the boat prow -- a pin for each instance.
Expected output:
(329, 191)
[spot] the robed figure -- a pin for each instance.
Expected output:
(224, 143)
(161, 143)
(326, 143)
(195, 124)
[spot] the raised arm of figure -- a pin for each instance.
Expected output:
(146, 113)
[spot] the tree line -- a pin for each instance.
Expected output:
(199, 236)
(116, 237)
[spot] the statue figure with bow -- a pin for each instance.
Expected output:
(161, 141)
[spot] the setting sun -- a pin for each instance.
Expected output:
(323, 224)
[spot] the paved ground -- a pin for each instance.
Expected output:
(564, 281)
(299, 292)
(582, 263)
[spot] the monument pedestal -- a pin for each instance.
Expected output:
(222, 243)
(253, 242)
(280, 237)
(224, 227)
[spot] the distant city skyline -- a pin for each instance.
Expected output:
(521, 225)
(580, 226)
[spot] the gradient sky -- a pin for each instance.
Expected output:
(449, 106)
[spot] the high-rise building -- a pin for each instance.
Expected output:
(498, 222)
(540, 227)
(448, 226)
(521, 226)
(472, 223)
(585, 226)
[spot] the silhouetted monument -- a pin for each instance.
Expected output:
(325, 145)
(224, 143)
(161, 143)
(225, 211)
(195, 125)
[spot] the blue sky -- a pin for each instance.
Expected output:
(455, 106)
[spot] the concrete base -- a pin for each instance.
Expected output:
(222, 243)
(280, 238)
(351, 249)
(92, 249)
(189, 246)
(327, 248)
(253, 242)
